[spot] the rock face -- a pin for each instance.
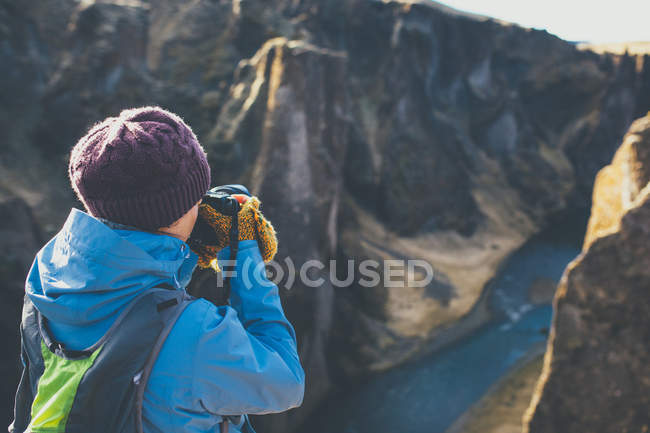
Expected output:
(371, 130)
(596, 374)
(288, 96)
(20, 239)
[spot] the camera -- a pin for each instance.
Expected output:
(219, 198)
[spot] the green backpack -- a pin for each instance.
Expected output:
(101, 388)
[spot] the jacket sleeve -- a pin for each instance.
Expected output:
(246, 359)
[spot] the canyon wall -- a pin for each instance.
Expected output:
(596, 374)
(370, 130)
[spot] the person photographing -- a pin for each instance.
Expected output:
(111, 340)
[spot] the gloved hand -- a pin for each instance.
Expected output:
(252, 226)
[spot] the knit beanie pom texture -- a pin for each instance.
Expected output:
(144, 168)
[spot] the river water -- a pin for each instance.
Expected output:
(428, 395)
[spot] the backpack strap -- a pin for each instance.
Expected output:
(163, 308)
(142, 378)
(60, 350)
(248, 428)
(242, 422)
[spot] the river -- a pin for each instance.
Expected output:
(428, 395)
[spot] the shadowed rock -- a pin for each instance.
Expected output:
(20, 239)
(596, 374)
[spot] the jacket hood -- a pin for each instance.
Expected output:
(88, 272)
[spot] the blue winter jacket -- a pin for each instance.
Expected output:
(217, 361)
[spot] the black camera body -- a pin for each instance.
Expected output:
(221, 200)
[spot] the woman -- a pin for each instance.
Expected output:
(111, 340)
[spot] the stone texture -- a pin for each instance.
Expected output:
(596, 374)
(20, 240)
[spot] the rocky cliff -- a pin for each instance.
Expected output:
(380, 130)
(20, 238)
(596, 374)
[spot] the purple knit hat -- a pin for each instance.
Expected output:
(144, 168)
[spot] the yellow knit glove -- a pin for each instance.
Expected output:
(252, 226)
